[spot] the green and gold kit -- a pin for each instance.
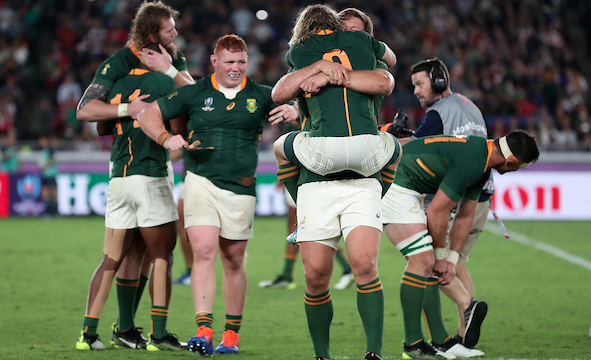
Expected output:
(124, 60)
(455, 164)
(231, 126)
(336, 110)
(134, 153)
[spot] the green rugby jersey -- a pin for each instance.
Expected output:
(335, 110)
(134, 153)
(454, 164)
(232, 126)
(378, 100)
(124, 60)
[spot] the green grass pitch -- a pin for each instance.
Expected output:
(539, 304)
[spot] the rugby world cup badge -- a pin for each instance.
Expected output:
(207, 104)
(251, 105)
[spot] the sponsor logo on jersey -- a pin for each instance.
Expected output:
(172, 95)
(251, 105)
(230, 106)
(105, 69)
(207, 104)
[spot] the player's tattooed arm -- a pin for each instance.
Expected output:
(93, 105)
(94, 91)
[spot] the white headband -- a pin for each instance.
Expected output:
(506, 151)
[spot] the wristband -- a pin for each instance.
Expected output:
(440, 253)
(172, 71)
(122, 110)
(453, 257)
(162, 138)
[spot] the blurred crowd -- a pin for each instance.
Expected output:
(522, 62)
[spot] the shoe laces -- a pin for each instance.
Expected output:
(230, 338)
(91, 338)
(204, 331)
(171, 337)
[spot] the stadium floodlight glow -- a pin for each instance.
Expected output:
(262, 14)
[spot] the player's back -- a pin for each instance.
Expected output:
(336, 110)
(134, 153)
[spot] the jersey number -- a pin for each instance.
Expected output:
(339, 55)
(117, 100)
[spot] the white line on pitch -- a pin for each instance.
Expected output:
(522, 239)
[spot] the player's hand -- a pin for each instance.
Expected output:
(450, 273)
(313, 84)
(137, 105)
(337, 73)
(175, 142)
(155, 61)
(283, 114)
(440, 267)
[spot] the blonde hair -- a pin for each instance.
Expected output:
(352, 12)
(147, 21)
(313, 19)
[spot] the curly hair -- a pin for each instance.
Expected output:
(313, 19)
(147, 21)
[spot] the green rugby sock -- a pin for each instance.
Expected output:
(288, 266)
(159, 317)
(387, 179)
(412, 294)
(126, 298)
(432, 312)
(319, 312)
(140, 291)
(203, 319)
(233, 322)
(370, 304)
(289, 174)
(90, 324)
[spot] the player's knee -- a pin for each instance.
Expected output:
(423, 261)
(317, 277)
(109, 263)
(278, 147)
(418, 250)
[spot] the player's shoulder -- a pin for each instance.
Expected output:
(121, 57)
(257, 86)
(261, 91)
(159, 78)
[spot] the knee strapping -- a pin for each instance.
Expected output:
(416, 244)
